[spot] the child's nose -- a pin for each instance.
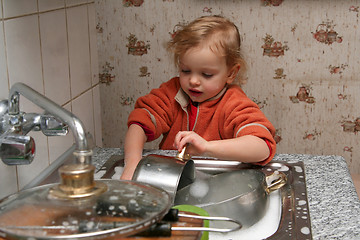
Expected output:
(194, 80)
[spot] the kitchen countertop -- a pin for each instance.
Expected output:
(333, 202)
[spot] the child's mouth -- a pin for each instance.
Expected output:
(194, 92)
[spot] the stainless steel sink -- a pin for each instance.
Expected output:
(294, 220)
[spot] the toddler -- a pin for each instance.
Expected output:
(202, 108)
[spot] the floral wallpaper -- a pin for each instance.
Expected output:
(303, 60)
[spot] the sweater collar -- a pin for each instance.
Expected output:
(183, 99)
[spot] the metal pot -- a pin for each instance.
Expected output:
(168, 173)
(241, 195)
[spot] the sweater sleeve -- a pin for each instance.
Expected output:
(154, 110)
(244, 117)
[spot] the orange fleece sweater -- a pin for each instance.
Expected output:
(230, 114)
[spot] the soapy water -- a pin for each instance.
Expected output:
(298, 169)
(90, 225)
(283, 168)
(199, 189)
(196, 190)
(305, 230)
(114, 198)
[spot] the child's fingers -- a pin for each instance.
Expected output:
(181, 139)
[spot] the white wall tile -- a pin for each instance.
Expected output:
(8, 182)
(45, 5)
(13, 8)
(23, 51)
(93, 45)
(4, 90)
(74, 2)
(55, 56)
(97, 116)
(59, 144)
(82, 107)
(79, 54)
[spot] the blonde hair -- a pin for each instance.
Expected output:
(221, 35)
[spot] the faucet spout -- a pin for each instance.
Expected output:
(82, 153)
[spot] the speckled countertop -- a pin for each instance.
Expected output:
(332, 198)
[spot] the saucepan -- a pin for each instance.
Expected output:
(241, 194)
(165, 172)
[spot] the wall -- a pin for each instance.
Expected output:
(303, 59)
(50, 46)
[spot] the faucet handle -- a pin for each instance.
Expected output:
(50, 126)
(17, 149)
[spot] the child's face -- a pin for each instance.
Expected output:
(203, 74)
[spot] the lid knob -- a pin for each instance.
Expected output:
(77, 181)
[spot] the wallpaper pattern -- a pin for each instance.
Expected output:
(303, 60)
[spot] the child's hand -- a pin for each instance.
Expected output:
(197, 145)
(127, 174)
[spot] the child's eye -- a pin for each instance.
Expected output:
(185, 71)
(207, 75)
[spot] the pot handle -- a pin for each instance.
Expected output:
(164, 229)
(183, 155)
(237, 224)
(174, 214)
(275, 181)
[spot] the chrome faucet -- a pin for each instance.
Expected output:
(18, 148)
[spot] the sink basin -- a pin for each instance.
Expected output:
(287, 216)
(264, 228)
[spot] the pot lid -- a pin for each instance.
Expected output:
(123, 209)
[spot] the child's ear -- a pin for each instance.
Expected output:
(233, 73)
